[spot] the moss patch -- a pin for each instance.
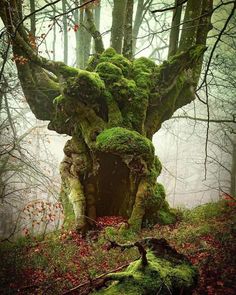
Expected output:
(123, 142)
(159, 275)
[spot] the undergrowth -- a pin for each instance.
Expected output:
(65, 259)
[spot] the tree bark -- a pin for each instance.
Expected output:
(233, 172)
(190, 25)
(118, 22)
(65, 32)
(128, 31)
(175, 28)
(32, 18)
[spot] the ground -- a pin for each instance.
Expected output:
(63, 260)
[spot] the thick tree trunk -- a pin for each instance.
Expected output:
(110, 182)
(111, 110)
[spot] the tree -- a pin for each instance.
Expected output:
(111, 110)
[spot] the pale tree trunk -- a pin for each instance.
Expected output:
(83, 37)
(128, 31)
(190, 25)
(141, 10)
(175, 29)
(32, 18)
(54, 41)
(65, 33)
(233, 172)
(118, 22)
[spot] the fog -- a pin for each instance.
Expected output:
(192, 173)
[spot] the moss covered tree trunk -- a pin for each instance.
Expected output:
(111, 111)
(110, 167)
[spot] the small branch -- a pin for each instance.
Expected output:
(74, 8)
(205, 119)
(141, 249)
(93, 283)
(215, 45)
(169, 8)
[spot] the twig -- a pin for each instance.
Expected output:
(89, 283)
(169, 8)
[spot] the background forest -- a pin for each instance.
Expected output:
(195, 143)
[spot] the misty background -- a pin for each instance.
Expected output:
(195, 170)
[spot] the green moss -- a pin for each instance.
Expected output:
(197, 51)
(67, 71)
(109, 72)
(123, 91)
(166, 217)
(124, 142)
(142, 72)
(85, 85)
(157, 209)
(159, 275)
(119, 60)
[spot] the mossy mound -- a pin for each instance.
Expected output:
(157, 209)
(108, 71)
(160, 276)
(123, 142)
(86, 86)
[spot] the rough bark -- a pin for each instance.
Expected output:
(233, 172)
(128, 30)
(190, 25)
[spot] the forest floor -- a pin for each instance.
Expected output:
(63, 260)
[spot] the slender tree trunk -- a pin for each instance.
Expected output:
(77, 34)
(175, 28)
(118, 22)
(128, 30)
(54, 41)
(233, 173)
(139, 15)
(190, 26)
(32, 18)
(65, 33)
(83, 37)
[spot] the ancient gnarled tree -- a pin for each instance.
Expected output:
(111, 110)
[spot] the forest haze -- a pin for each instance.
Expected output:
(142, 96)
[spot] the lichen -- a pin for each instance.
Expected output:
(160, 275)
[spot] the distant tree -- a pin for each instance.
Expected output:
(111, 110)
